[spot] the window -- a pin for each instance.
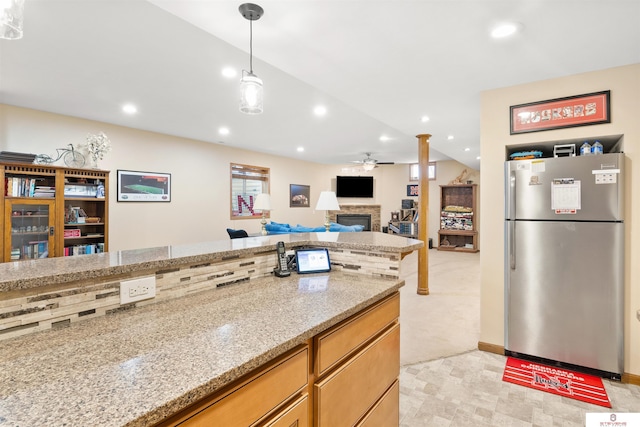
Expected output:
(246, 183)
(414, 172)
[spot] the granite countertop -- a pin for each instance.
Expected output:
(136, 367)
(20, 275)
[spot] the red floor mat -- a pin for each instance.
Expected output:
(576, 385)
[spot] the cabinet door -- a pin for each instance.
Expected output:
(347, 394)
(29, 229)
(297, 414)
(249, 403)
(387, 411)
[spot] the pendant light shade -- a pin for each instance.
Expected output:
(251, 95)
(11, 19)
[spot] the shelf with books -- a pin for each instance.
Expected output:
(404, 222)
(458, 230)
(34, 204)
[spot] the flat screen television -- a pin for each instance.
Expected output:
(354, 186)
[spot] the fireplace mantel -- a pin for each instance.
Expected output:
(373, 210)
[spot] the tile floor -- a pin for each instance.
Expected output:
(465, 387)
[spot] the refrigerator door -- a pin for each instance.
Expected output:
(585, 188)
(564, 292)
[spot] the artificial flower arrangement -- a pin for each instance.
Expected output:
(97, 146)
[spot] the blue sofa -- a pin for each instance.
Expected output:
(278, 228)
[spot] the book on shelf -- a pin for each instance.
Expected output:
(26, 187)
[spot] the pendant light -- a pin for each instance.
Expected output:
(251, 101)
(11, 19)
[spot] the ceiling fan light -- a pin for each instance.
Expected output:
(368, 166)
(251, 98)
(11, 19)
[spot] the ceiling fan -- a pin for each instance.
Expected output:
(369, 163)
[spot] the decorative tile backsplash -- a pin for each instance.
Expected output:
(91, 298)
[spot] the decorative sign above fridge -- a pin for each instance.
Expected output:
(579, 110)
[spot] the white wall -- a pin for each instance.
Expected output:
(200, 202)
(624, 83)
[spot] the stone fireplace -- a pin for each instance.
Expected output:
(355, 219)
(373, 210)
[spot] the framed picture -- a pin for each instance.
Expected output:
(580, 110)
(413, 190)
(299, 196)
(135, 186)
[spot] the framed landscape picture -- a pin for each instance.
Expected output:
(135, 186)
(299, 196)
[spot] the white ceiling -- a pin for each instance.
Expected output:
(378, 67)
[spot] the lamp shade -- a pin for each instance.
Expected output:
(263, 202)
(328, 202)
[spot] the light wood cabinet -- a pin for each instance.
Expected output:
(262, 394)
(296, 414)
(348, 393)
(345, 376)
(347, 389)
(458, 218)
(342, 340)
(50, 211)
(386, 412)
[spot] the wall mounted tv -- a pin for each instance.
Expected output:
(354, 186)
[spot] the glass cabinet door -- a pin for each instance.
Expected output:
(29, 226)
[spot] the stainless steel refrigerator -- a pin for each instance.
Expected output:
(564, 261)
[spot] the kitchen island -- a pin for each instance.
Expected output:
(204, 340)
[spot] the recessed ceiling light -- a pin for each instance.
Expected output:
(229, 72)
(129, 108)
(223, 131)
(504, 30)
(467, 149)
(300, 149)
(478, 158)
(320, 110)
(450, 137)
(384, 138)
(424, 119)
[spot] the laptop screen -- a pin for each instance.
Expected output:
(314, 260)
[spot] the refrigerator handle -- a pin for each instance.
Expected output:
(512, 244)
(510, 194)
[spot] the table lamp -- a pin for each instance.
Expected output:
(263, 203)
(327, 202)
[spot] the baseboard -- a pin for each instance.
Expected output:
(499, 349)
(631, 379)
(491, 348)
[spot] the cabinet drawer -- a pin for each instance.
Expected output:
(387, 411)
(247, 404)
(346, 394)
(297, 414)
(335, 344)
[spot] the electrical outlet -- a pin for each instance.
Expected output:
(137, 289)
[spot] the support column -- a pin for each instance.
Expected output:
(423, 214)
